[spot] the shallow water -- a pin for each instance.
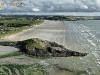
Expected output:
(82, 36)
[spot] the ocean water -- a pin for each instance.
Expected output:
(82, 36)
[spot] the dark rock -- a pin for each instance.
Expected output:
(42, 48)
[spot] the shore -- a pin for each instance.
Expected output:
(49, 30)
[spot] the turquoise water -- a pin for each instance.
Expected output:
(82, 36)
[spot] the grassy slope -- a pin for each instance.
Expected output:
(33, 43)
(12, 26)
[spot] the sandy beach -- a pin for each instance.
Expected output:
(49, 30)
(54, 31)
(74, 35)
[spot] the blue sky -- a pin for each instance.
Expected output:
(53, 7)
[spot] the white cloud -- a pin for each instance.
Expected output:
(84, 7)
(36, 9)
(53, 6)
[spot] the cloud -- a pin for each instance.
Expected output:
(36, 9)
(67, 6)
(52, 6)
(85, 6)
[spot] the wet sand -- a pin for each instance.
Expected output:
(7, 49)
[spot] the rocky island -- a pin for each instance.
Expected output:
(42, 48)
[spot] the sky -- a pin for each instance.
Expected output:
(51, 7)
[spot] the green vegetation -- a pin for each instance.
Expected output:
(67, 18)
(11, 25)
(11, 54)
(72, 18)
(14, 24)
(15, 69)
(33, 43)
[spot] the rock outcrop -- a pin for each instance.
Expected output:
(43, 48)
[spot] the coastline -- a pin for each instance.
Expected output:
(49, 30)
(12, 36)
(53, 31)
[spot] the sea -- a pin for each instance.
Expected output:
(81, 36)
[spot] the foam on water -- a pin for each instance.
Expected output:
(84, 38)
(91, 42)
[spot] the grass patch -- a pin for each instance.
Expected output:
(11, 54)
(33, 43)
(14, 69)
(13, 26)
(13, 31)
